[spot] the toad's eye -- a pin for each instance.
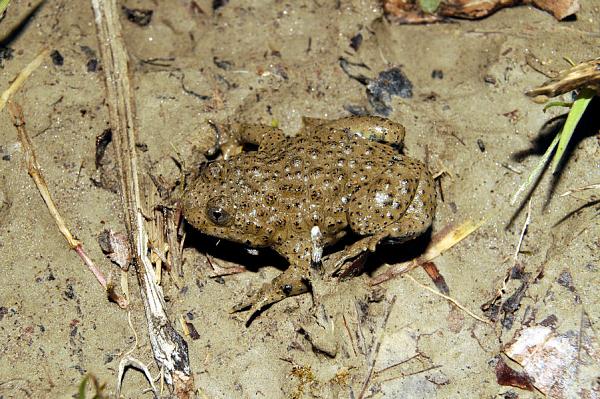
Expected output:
(218, 215)
(217, 211)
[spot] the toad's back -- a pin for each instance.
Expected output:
(329, 179)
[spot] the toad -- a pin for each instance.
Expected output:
(333, 177)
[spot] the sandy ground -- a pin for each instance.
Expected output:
(261, 61)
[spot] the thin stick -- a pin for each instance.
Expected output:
(34, 170)
(383, 370)
(578, 189)
(454, 301)
(21, 77)
(361, 335)
(168, 346)
(349, 334)
(411, 374)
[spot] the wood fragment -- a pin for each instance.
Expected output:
(507, 376)
(437, 278)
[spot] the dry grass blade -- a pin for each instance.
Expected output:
(36, 174)
(584, 97)
(3, 6)
(584, 77)
(169, 348)
(21, 77)
(440, 243)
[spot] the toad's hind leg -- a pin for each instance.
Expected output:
(394, 218)
(372, 128)
(259, 135)
(419, 215)
(265, 137)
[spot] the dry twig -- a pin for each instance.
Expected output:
(523, 231)
(36, 174)
(169, 348)
(579, 189)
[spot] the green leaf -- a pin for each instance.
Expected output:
(577, 109)
(429, 6)
(561, 140)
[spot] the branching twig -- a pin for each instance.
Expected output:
(169, 349)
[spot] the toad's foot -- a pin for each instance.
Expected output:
(336, 263)
(289, 283)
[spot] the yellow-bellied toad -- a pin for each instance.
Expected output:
(339, 175)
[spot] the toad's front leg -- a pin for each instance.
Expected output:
(293, 281)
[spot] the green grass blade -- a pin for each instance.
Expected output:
(577, 109)
(3, 6)
(82, 384)
(536, 173)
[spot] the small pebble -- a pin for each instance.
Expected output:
(489, 79)
(223, 64)
(219, 3)
(6, 53)
(356, 41)
(138, 16)
(437, 74)
(57, 58)
(481, 145)
(92, 65)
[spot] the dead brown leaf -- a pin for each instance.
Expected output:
(409, 12)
